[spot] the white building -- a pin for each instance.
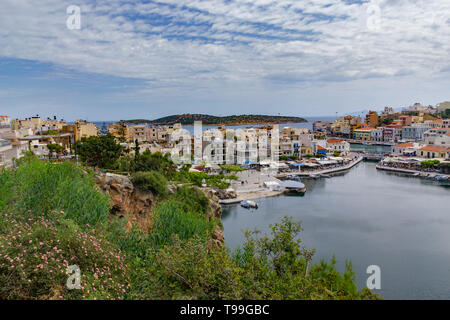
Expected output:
(437, 137)
(338, 145)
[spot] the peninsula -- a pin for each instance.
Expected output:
(188, 119)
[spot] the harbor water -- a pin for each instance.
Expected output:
(371, 217)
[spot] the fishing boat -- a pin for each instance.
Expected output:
(247, 204)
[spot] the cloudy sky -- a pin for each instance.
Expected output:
(146, 59)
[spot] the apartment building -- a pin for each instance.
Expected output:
(363, 134)
(81, 129)
(437, 137)
(414, 132)
(372, 119)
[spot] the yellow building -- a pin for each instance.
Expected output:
(81, 129)
(363, 134)
(18, 124)
(119, 131)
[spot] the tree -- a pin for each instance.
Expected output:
(54, 148)
(100, 152)
(136, 150)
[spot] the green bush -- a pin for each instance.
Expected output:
(44, 186)
(151, 181)
(170, 219)
(192, 199)
(269, 267)
(35, 253)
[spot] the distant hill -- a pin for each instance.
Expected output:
(188, 119)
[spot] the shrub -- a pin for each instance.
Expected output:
(151, 181)
(44, 186)
(192, 199)
(188, 270)
(35, 253)
(170, 219)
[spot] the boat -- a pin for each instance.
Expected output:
(293, 187)
(314, 176)
(325, 176)
(247, 204)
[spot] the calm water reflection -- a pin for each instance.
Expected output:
(399, 223)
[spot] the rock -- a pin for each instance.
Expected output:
(127, 201)
(226, 194)
(136, 205)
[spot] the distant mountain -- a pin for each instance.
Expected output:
(188, 119)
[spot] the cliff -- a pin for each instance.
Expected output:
(136, 205)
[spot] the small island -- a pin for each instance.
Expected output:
(189, 119)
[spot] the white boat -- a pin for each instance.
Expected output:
(249, 204)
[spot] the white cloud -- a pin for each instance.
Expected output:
(203, 45)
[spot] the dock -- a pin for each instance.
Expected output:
(324, 171)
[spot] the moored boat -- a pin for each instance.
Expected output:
(247, 204)
(293, 187)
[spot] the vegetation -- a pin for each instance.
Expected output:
(231, 168)
(102, 152)
(429, 163)
(55, 148)
(189, 119)
(150, 181)
(52, 216)
(287, 158)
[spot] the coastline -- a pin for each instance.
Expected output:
(408, 171)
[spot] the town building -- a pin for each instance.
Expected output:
(437, 137)
(338, 145)
(405, 149)
(372, 119)
(81, 129)
(414, 132)
(363, 134)
(433, 152)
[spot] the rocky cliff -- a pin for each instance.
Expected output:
(136, 205)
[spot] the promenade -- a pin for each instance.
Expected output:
(322, 171)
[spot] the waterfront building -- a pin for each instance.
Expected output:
(414, 132)
(437, 137)
(377, 134)
(392, 133)
(405, 149)
(363, 134)
(433, 152)
(338, 145)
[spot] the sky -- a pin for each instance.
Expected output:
(148, 59)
